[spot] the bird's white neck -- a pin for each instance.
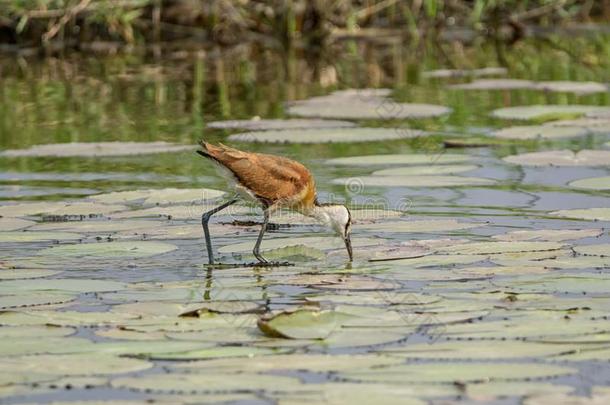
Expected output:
(333, 216)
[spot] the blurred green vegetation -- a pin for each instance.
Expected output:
(85, 24)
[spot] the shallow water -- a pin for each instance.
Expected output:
(406, 316)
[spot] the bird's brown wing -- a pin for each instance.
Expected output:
(271, 178)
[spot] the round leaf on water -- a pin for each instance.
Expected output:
(421, 226)
(564, 399)
(72, 285)
(180, 212)
(357, 109)
(275, 124)
(576, 284)
(487, 391)
(31, 236)
(58, 208)
(98, 226)
(596, 126)
(211, 353)
(541, 111)
(41, 332)
(17, 274)
(440, 260)
(551, 235)
(13, 224)
(495, 84)
(562, 158)
(165, 196)
(564, 86)
(110, 249)
(448, 73)
(485, 248)
(425, 170)
(34, 298)
(72, 364)
(405, 159)
(61, 318)
(594, 250)
(415, 181)
(592, 214)
(459, 372)
(95, 149)
(595, 183)
(318, 242)
(301, 324)
(540, 131)
(327, 135)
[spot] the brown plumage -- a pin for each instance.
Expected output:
(274, 180)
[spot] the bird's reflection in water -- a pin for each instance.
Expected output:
(260, 281)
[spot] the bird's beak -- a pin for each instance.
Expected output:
(348, 245)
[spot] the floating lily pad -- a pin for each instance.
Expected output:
(495, 84)
(422, 226)
(486, 248)
(531, 112)
(211, 353)
(470, 350)
(110, 249)
(12, 332)
(439, 260)
(593, 125)
(13, 224)
(564, 86)
(318, 242)
(425, 170)
(30, 236)
(166, 196)
(97, 149)
(57, 208)
(96, 226)
(592, 214)
(35, 298)
(586, 284)
(17, 274)
(72, 364)
(328, 135)
(276, 124)
(406, 159)
(359, 108)
(550, 235)
(486, 391)
(62, 318)
(462, 372)
(562, 158)
(180, 212)
(416, 181)
(301, 324)
(595, 183)
(594, 250)
(72, 284)
(540, 131)
(448, 73)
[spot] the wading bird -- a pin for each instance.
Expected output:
(275, 182)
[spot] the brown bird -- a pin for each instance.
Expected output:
(275, 182)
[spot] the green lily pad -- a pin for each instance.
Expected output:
(495, 84)
(415, 181)
(30, 236)
(277, 124)
(595, 183)
(540, 111)
(406, 159)
(360, 108)
(12, 332)
(591, 214)
(35, 298)
(550, 235)
(473, 350)
(72, 364)
(602, 250)
(331, 135)
(562, 158)
(540, 132)
(449, 73)
(487, 391)
(165, 196)
(110, 249)
(421, 226)
(458, 372)
(486, 248)
(596, 126)
(561, 262)
(62, 318)
(71, 284)
(180, 212)
(564, 399)
(565, 86)
(97, 149)
(585, 284)
(212, 353)
(440, 260)
(318, 242)
(101, 226)
(425, 170)
(13, 224)
(301, 324)
(18, 274)
(57, 208)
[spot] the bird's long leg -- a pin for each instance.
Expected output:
(257, 246)
(205, 218)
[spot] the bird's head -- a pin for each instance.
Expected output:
(338, 218)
